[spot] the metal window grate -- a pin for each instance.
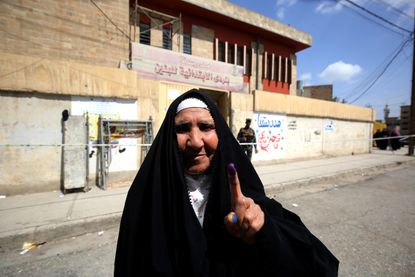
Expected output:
(145, 33)
(167, 38)
(187, 44)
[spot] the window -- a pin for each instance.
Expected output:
(248, 62)
(221, 51)
(289, 71)
(167, 37)
(231, 53)
(145, 33)
(269, 66)
(240, 56)
(187, 44)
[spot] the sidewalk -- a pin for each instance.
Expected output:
(49, 216)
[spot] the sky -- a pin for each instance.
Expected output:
(363, 48)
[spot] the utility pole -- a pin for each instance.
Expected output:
(412, 110)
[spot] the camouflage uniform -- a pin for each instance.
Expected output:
(247, 135)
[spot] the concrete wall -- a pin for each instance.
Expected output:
(35, 91)
(30, 118)
(295, 105)
(26, 73)
(311, 137)
(312, 127)
(73, 30)
(241, 108)
(32, 127)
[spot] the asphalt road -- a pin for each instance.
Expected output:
(369, 226)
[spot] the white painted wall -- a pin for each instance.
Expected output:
(35, 119)
(306, 137)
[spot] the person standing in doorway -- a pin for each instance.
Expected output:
(247, 135)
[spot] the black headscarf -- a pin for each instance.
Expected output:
(161, 236)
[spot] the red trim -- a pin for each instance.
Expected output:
(274, 86)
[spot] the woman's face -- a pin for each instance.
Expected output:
(197, 139)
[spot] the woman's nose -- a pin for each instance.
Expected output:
(195, 139)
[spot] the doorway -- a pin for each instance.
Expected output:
(221, 98)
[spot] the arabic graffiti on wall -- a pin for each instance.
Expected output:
(161, 64)
(270, 131)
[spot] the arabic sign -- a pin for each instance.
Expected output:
(161, 64)
(270, 132)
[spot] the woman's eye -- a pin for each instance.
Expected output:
(207, 126)
(182, 128)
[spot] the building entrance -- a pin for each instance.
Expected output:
(221, 98)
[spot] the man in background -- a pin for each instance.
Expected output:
(247, 135)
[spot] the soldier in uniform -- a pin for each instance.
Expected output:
(247, 135)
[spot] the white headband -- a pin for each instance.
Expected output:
(191, 103)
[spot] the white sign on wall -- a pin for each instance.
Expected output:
(269, 130)
(329, 125)
(161, 64)
(109, 108)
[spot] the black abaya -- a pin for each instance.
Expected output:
(161, 236)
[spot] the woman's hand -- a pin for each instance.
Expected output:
(246, 218)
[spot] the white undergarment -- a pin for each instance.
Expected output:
(198, 187)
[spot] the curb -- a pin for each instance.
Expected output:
(364, 172)
(58, 231)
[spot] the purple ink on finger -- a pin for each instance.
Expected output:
(231, 169)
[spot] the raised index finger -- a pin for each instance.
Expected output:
(234, 185)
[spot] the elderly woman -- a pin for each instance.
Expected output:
(198, 208)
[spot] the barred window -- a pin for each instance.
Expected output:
(187, 44)
(269, 66)
(231, 53)
(145, 33)
(221, 51)
(167, 37)
(248, 62)
(240, 56)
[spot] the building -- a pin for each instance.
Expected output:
(262, 50)
(77, 73)
(322, 92)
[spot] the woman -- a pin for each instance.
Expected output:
(190, 213)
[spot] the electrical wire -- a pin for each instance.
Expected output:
(360, 13)
(377, 16)
(383, 71)
(364, 83)
(395, 9)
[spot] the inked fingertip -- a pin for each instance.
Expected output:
(231, 169)
(235, 218)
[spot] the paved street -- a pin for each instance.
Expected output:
(368, 225)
